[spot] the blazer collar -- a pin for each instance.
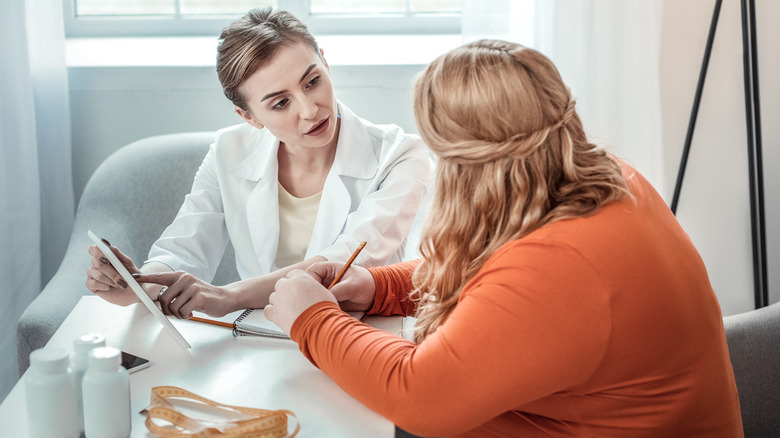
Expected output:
(355, 155)
(260, 162)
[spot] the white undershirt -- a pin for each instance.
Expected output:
(296, 224)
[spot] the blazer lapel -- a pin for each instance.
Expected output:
(355, 159)
(262, 204)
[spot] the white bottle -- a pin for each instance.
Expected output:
(79, 362)
(106, 391)
(51, 395)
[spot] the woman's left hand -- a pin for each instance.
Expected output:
(184, 293)
(292, 295)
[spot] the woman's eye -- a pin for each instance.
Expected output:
(313, 82)
(279, 105)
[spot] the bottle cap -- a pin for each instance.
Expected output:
(49, 360)
(84, 343)
(105, 358)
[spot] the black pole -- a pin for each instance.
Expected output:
(755, 154)
(759, 156)
(696, 101)
(755, 165)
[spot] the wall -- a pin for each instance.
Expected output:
(125, 89)
(113, 106)
(714, 204)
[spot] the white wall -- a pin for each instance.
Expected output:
(112, 106)
(714, 205)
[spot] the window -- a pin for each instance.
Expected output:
(208, 17)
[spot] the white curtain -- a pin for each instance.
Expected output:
(36, 189)
(607, 51)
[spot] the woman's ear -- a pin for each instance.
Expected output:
(247, 116)
(324, 61)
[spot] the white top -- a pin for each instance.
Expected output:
(372, 193)
(296, 223)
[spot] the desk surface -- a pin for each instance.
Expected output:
(257, 372)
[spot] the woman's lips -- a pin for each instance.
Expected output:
(320, 128)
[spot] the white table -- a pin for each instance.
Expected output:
(257, 372)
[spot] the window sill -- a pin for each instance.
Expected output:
(201, 51)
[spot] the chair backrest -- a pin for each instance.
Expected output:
(754, 346)
(137, 191)
(130, 199)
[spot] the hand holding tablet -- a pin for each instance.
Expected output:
(137, 289)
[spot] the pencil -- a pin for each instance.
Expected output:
(212, 321)
(347, 265)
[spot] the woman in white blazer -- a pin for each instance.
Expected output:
(303, 180)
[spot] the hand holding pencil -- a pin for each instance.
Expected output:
(343, 270)
(301, 290)
(352, 286)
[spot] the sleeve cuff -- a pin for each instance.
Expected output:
(300, 325)
(379, 296)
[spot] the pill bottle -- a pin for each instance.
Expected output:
(51, 395)
(79, 361)
(106, 392)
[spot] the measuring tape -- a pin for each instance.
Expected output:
(262, 424)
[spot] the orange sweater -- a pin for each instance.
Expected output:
(592, 327)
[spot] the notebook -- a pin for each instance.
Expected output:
(253, 322)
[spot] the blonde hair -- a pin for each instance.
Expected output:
(251, 42)
(513, 157)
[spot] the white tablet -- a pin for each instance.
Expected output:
(139, 291)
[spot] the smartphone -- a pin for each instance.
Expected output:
(133, 363)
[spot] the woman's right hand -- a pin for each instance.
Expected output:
(355, 292)
(104, 281)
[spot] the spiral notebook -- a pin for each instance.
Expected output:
(252, 322)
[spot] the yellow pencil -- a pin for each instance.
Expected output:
(347, 265)
(211, 321)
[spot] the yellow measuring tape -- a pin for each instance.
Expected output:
(261, 423)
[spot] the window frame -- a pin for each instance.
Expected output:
(174, 25)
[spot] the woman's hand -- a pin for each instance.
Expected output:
(105, 281)
(300, 290)
(292, 295)
(183, 293)
(355, 292)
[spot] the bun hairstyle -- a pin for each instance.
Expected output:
(251, 42)
(513, 157)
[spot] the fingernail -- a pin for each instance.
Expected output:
(122, 283)
(104, 260)
(105, 241)
(136, 275)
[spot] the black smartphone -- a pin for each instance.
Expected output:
(133, 363)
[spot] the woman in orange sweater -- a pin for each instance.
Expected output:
(556, 295)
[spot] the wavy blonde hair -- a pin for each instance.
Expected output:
(513, 157)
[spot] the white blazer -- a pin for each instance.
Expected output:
(372, 193)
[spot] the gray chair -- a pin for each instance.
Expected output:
(130, 199)
(754, 346)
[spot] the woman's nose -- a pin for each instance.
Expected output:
(308, 109)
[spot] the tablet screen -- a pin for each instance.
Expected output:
(139, 291)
